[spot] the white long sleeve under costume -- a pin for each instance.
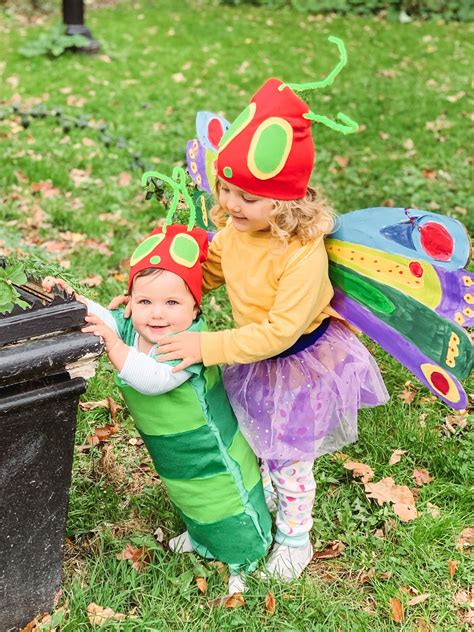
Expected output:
(141, 371)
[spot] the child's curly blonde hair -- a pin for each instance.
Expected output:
(306, 218)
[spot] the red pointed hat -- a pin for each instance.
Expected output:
(176, 249)
(268, 150)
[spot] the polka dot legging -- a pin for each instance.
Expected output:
(290, 485)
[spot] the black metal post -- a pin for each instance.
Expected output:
(73, 18)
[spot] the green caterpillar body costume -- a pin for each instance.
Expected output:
(210, 472)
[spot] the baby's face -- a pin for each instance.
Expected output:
(161, 304)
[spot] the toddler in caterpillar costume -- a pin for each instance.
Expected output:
(185, 418)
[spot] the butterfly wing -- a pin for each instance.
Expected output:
(397, 278)
(201, 152)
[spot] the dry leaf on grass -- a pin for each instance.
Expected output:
(330, 551)
(93, 280)
(397, 610)
(396, 456)
(102, 433)
(419, 599)
(124, 179)
(201, 583)
(452, 566)
(387, 491)
(465, 539)
(235, 601)
(360, 469)
(137, 556)
(98, 615)
(270, 603)
(407, 395)
(46, 188)
(421, 477)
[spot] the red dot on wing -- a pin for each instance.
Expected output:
(436, 241)
(416, 268)
(439, 382)
(215, 131)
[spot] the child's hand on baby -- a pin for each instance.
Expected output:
(185, 346)
(99, 328)
(122, 299)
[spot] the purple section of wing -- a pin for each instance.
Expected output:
(457, 286)
(196, 159)
(395, 344)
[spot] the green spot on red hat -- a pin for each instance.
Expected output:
(155, 260)
(145, 248)
(227, 171)
(184, 250)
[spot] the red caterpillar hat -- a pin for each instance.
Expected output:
(175, 248)
(268, 150)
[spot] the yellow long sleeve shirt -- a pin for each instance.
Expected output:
(276, 295)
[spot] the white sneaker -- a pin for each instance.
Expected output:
(236, 584)
(288, 562)
(181, 543)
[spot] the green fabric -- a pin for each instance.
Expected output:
(221, 412)
(176, 411)
(245, 545)
(186, 455)
(241, 452)
(192, 497)
(210, 472)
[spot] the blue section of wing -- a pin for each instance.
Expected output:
(202, 126)
(397, 230)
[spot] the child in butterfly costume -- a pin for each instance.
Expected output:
(184, 418)
(296, 375)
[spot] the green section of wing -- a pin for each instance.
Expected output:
(438, 338)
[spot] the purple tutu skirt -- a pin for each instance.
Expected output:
(305, 405)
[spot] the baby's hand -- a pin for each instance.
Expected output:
(50, 282)
(122, 299)
(99, 328)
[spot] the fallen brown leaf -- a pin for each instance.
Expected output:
(92, 280)
(201, 584)
(124, 179)
(421, 477)
(419, 599)
(137, 556)
(235, 601)
(397, 610)
(452, 566)
(270, 603)
(330, 551)
(360, 469)
(465, 539)
(407, 395)
(396, 456)
(45, 187)
(400, 496)
(98, 615)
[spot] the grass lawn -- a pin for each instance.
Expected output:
(406, 85)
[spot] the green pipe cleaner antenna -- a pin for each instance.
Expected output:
(348, 125)
(177, 182)
(315, 85)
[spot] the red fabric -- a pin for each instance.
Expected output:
(191, 276)
(292, 181)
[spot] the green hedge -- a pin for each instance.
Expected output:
(450, 10)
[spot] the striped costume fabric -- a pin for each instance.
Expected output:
(209, 470)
